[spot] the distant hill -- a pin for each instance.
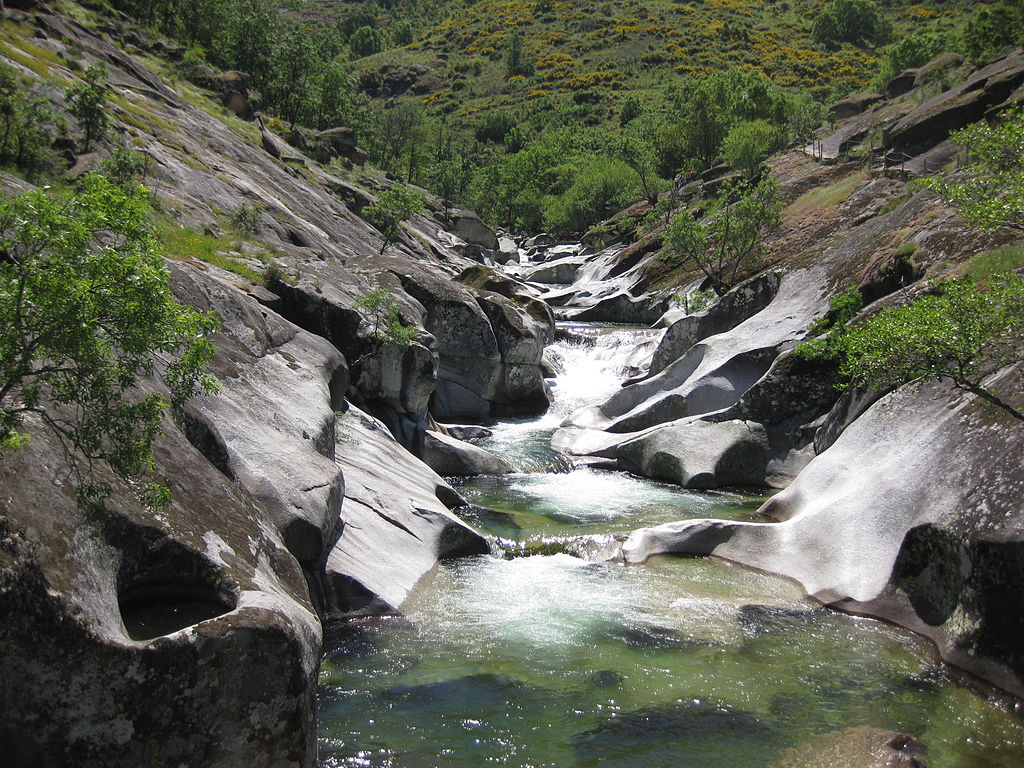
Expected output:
(599, 51)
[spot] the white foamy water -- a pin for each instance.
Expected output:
(588, 369)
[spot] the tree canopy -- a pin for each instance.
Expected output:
(731, 239)
(86, 312)
(960, 334)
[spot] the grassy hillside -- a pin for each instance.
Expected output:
(598, 51)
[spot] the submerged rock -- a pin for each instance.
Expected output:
(861, 747)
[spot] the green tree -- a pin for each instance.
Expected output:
(990, 191)
(993, 29)
(961, 334)
(859, 22)
(910, 51)
(637, 150)
(630, 110)
(366, 41)
(385, 321)
(393, 206)
(85, 311)
(26, 123)
(749, 144)
(515, 59)
(448, 179)
(86, 103)
(598, 186)
(730, 240)
(291, 85)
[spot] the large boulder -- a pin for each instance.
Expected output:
(472, 229)
(451, 456)
(742, 302)
(279, 387)
(935, 119)
(180, 637)
(700, 454)
(913, 514)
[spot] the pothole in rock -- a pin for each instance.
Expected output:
(157, 609)
(164, 586)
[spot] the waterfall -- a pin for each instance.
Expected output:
(590, 363)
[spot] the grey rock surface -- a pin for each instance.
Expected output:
(397, 521)
(449, 455)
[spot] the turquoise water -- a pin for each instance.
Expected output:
(564, 661)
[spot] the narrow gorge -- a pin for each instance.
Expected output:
(467, 497)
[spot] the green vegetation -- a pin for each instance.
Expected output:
(859, 22)
(386, 324)
(393, 206)
(990, 192)
(994, 29)
(87, 103)
(911, 51)
(26, 124)
(730, 240)
(80, 324)
(991, 263)
(961, 334)
(829, 333)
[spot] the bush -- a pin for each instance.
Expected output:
(245, 219)
(386, 323)
(600, 186)
(911, 51)
(366, 41)
(393, 206)
(730, 240)
(749, 144)
(859, 22)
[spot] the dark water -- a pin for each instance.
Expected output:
(554, 660)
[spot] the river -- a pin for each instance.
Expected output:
(545, 654)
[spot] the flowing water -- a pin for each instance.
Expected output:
(536, 657)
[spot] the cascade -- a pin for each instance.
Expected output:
(550, 652)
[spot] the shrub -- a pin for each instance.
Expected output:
(731, 239)
(86, 101)
(748, 145)
(859, 22)
(366, 41)
(386, 323)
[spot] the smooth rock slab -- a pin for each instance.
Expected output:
(448, 455)
(397, 521)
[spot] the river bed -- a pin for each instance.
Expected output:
(533, 656)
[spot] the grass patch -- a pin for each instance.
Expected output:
(186, 244)
(17, 47)
(986, 265)
(893, 204)
(824, 199)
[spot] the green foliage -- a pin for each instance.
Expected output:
(85, 306)
(859, 22)
(990, 192)
(393, 206)
(448, 178)
(386, 323)
(829, 332)
(494, 126)
(911, 51)
(991, 263)
(630, 109)
(748, 145)
(731, 239)
(26, 124)
(366, 41)
(600, 186)
(961, 334)
(993, 29)
(86, 101)
(245, 219)
(637, 149)
(694, 301)
(124, 167)
(515, 59)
